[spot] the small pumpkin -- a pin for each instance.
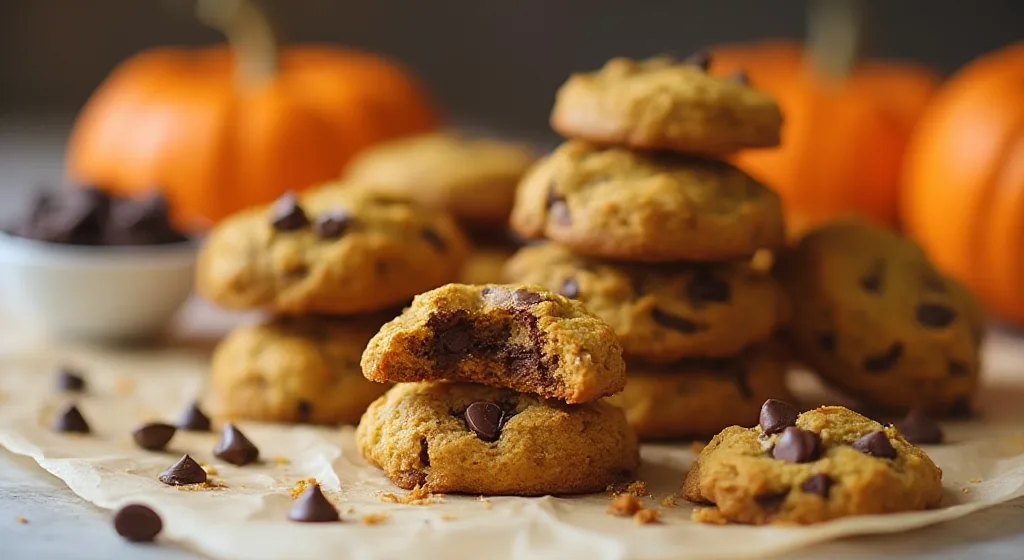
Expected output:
(233, 126)
(964, 180)
(842, 141)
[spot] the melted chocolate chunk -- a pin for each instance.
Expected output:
(700, 59)
(333, 225)
(771, 501)
(706, 288)
(453, 333)
(192, 419)
(776, 416)
(558, 210)
(919, 428)
(431, 236)
(935, 316)
(876, 444)
(70, 381)
(570, 289)
(153, 436)
(235, 448)
(424, 453)
(819, 484)
(137, 523)
(797, 446)
(484, 419)
(185, 471)
(526, 298)
(872, 281)
(827, 341)
(313, 507)
(884, 361)
(287, 214)
(675, 322)
(70, 420)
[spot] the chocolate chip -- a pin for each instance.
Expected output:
(185, 471)
(424, 453)
(559, 212)
(70, 420)
(776, 416)
(771, 501)
(935, 316)
(313, 507)
(431, 236)
(674, 322)
(827, 341)
(484, 418)
(332, 224)
(235, 448)
(740, 77)
(141, 221)
(884, 361)
(704, 287)
(304, 410)
(570, 289)
(153, 436)
(819, 484)
(917, 427)
(74, 216)
(192, 419)
(797, 446)
(495, 295)
(876, 444)
(287, 214)
(137, 523)
(957, 368)
(961, 408)
(526, 298)
(872, 281)
(700, 59)
(456, 339)
(70, 381)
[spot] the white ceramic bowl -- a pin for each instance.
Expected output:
(110, 294)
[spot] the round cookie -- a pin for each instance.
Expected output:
(653, 207)
(662, 312)
(418, 434)
(295, 370)
(698, 397)
(874, 317)
(833, 463)
(660, 104)
(473, 179)
(485, 263)
(339, 249)
(520, 337)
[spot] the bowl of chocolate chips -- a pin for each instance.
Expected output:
(85, 264)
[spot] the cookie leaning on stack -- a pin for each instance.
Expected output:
(499, 393)
(660, 244)
(329, 264)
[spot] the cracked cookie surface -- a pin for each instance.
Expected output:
(640, 206)
(824, 464)
(338, 249)
(874, 317)
(425, 434)
(521, 337)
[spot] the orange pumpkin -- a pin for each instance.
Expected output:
(964, 193)
(224, 128)
(842, 142)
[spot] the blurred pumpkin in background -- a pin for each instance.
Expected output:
(964, 197)
(843, 139)
(232, 126)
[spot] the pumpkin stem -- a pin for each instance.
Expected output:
(835, 36)
(249, 33)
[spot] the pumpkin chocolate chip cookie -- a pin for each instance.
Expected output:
(698, 397)
(662, 312)
(472, 179)
(520, 337)
(652, 207)
(295, 370)
(469, 438)
(800, 469)
(339, 249)
(662, 104)
(875, 318)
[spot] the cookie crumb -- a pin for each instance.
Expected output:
(624, 505)
(975, 481)
(300, 486)
(418, 496)
(449, 517)
(210, 484)
(669, 501)
(21, 519)
(375, 518)
(281, 460)
(636, 488)
(965, 490)
(697, 446)
(487, 503)
(350, 510)
(210, 469)
(709, 515)
(647, 516)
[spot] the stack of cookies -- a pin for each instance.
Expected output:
(473, 179)
(656, 235)
(331, 266)
(499, 392)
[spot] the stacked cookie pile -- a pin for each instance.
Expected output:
(656, 235)
(499, 392)
(473, 179)
(331, 266)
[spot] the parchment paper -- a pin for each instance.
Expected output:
(983, 465)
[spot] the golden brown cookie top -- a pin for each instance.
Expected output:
(825, 463)
(641, 206)
(473, 179)
(662, 104)
(515, 336)
(337, 249)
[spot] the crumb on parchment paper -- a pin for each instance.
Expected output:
(624, 505)
(210, 469)
(487, 503)
(21, 519)
(636, 488)
(647, 516)
(300, 486)
(965, 490)
(449, 517)
(375, 518)
(281, 460)
(669, 501)
(975, 481)
(210, 484)
(418, 496)
(709, 515)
